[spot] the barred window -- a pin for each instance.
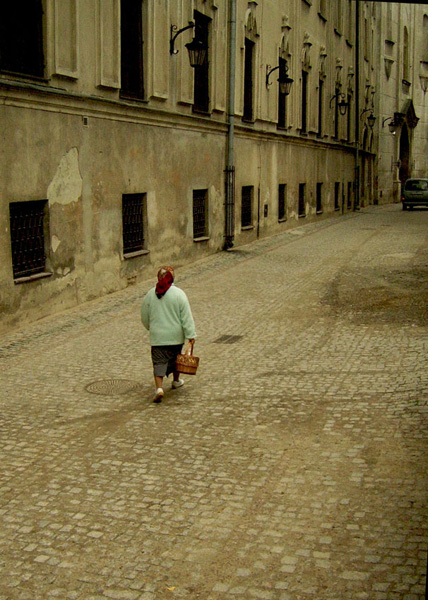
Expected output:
(247, 206)
(21, 37)
(200, 211)
(28, 232)
(133, 223)
(282, 202)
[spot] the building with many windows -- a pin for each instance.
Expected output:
(118, 155)
(402, 100)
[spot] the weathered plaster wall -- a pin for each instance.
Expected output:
(88, 167)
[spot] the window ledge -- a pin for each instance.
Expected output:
(32, 277)
(302, 216)
(201, 239)
(282, 220)
(136, 253)
(320, 212)
(247, 227)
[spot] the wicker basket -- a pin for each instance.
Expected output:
(186, 362)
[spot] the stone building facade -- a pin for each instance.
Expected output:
(119, 156)
(402, 99)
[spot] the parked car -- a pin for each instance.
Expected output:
(415, 193)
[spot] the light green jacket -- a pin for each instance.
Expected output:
(168, 319)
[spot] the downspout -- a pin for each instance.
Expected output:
(230, 158)
(357, 105)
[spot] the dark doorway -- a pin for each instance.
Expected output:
(404, 155)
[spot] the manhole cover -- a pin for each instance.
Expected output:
(111, 387)
(227, 339)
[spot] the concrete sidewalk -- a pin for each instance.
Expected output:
(293, 466)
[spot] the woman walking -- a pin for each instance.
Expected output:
(166, 314)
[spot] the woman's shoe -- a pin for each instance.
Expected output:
(177, 384)
(159, 395)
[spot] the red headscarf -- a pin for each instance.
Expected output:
(165, 280)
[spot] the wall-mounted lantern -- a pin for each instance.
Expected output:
(371, 119)
(342, 103)
(196, 48)
(393, 125)
(284, 81)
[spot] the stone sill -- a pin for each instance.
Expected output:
(137, 253)
(32, 277)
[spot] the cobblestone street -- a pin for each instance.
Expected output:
(294, 466)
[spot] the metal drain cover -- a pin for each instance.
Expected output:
(227, 339)
(111, 387)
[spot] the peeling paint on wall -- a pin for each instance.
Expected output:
(66, 186)
(55, 242)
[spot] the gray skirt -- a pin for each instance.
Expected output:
(163, 358)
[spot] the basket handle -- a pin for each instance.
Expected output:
(189, 348)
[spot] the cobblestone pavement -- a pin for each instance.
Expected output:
(292, 467)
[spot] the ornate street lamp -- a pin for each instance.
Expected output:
(284, 81)
(196, 48)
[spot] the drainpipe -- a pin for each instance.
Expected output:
(357, 106)
(230, 159)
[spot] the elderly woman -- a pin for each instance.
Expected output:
(166, 313)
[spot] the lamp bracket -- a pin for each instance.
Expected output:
(175, 32)
(269, 70)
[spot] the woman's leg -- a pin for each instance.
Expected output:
(158, 381)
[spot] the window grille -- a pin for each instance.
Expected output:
(247, 206)
(282, 202)
(132, 66)
(21, 37)
(201, 101)
(302, 208)
(319, 198)
(200, 229)
(133, 212)
(27, 232)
